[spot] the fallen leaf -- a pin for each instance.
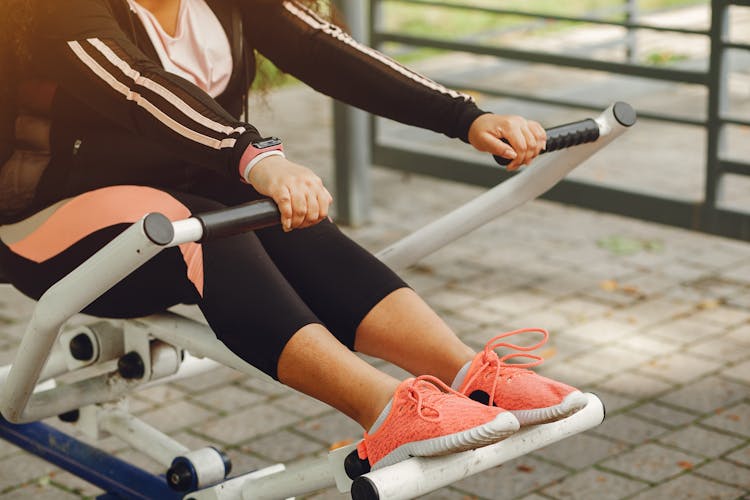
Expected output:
(340, 444)
(733, 417)
(708, 304)
(608, 285)
(631, 290)
(548, 353)
(684, 464)
(525, 468)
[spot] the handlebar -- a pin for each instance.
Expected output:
(580, 132)
(239, 219)
(265, 213)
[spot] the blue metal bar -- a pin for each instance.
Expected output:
(118, 478)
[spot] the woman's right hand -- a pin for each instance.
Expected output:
(300, 195)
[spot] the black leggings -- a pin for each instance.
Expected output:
(258, 288)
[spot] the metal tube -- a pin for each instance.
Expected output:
(101, 469)
(198, 339)
(525, 186)
(352, 149)
(56, 365)
(67, 297)
(141, 436)
(296, 479)
(418, 476)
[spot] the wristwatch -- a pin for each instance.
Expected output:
(258, 150)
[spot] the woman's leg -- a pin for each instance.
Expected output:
(366, 306)
(404, 330)
(317, 364)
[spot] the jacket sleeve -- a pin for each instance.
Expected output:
(322, 55)
(81, 46)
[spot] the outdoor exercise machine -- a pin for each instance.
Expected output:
(110, 359)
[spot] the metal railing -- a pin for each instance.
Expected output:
(704, 215)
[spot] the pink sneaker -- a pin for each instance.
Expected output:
(428, 418)
(533, 399)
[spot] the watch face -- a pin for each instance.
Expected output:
(268, 142)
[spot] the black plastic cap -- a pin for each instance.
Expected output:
(624, 114)
(604, 409)
(131, 366)
(364, 489)
(70, 417)
(180, 476)
(355, 466)
(158, 229)
(81, 347)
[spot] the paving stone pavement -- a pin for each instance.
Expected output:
(661, 334)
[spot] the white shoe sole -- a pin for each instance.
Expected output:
(571, 404)
(493, 431)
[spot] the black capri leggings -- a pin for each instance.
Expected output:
(256, 289)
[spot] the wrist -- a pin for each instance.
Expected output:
(256, 152)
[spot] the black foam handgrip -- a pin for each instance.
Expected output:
(564, 136)
(239, 219)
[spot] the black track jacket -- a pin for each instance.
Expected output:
(106, 78)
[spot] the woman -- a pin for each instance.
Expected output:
(136, 102)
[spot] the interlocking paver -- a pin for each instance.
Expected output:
(635, 385)
(665, 415)
(284, 446)
(679, 367)
(724, 316)
(513, 479)
(595, 484)
(741, 456)
(176, 415)
(581, 450)
(21, 468)
(40, 492)
(601, 331)
(739, 371)
(734, 419)
(245, 424)
(227, 399)
(686, 330)
(724, 349)
(707, 394)
(721, 470)
(740, 335)
(652, 462)
(690, 487)
(700, 441)
(629, 429)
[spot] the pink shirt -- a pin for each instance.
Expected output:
(199, 52)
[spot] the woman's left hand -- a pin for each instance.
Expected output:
(526, 138)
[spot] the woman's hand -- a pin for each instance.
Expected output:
(302, 199)
(526, 138)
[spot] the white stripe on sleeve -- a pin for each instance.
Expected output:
(161, 90)
(141, 101)
(314, 21)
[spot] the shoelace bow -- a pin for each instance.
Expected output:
(491, 359)
(437, 390)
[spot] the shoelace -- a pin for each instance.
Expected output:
(436, 387)
(491, 359)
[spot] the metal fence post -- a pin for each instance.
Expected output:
(352, 151)
(631, 37)
(717, 97)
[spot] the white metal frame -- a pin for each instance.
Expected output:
(161, 340)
